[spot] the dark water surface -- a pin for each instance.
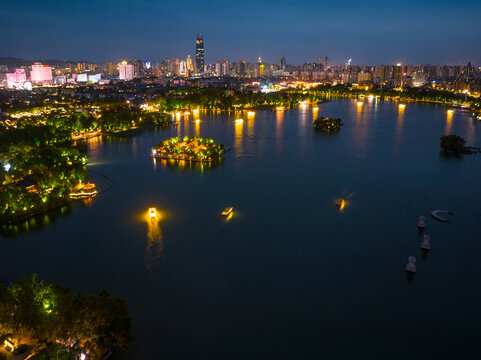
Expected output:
(289, 277)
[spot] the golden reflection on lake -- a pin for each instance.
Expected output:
(399, 125)
(238, 138)
(449, 123)
(155, 243)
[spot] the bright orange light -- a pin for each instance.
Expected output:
(251, 113)
(239, 121)
(197, 121)
(360, 103)
(402, 106)
(450, 112)
(315, 109)
(341, 204)
(227, 211)
(152, 213)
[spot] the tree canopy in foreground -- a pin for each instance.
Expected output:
(60, 324)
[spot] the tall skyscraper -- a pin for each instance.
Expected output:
(326, 63)
(283, 63)
(199, 53)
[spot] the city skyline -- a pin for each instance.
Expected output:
(416, 33)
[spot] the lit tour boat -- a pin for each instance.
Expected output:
(239, 121)
(315, 108)
(84, 191)
(251, 113)
(341, 204)
(152, 213)
(402, 106)
(360, 103)
(227, 211)
(450, 112)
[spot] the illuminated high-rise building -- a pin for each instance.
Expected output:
(222, 68)
(190, 66)
(260, 67)
(242, 68)
(19, 76)
(199, 53)
(41, 73)
(283, 63)
(326, 64)
(182, 67)
(126, 71)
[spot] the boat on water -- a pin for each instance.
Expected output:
(152, 213)
(227, 211)
(441, 215)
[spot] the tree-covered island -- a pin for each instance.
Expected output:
(326, 124)
(190, 148)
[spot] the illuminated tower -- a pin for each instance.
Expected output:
(326, 63)
(199, 53)
(283, 63)
(189, 63)
(260, 67)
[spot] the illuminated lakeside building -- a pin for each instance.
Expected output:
(41, 74)
(199, 53)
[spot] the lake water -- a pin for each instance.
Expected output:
(289, 276)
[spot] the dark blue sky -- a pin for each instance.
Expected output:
(371, 32)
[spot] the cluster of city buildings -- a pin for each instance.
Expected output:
(177, 71)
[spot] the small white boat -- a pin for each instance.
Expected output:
(441, 215)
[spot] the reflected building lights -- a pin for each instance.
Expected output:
(449, 123)
(238, 137)
(361, 128)
(399, 125)
(279, 130)
(470, 134)
(197, 127)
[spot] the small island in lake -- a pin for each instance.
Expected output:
(191, 148)
(327, 124)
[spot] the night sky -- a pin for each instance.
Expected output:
(371, 32)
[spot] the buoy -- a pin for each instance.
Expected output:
(411, 266)
(421, 224)
(425, 244)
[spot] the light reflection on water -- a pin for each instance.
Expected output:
(399, 126)
(361, 126)
(155, 243)
(238, 138)
(449, 123)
